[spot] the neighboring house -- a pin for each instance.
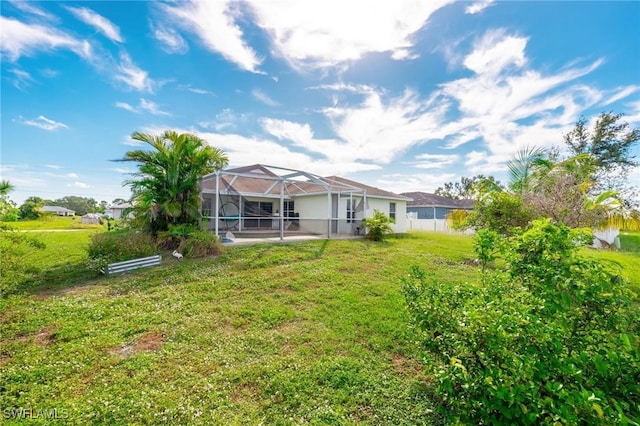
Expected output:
(261, 198)
(91, 218)
(58, 211)
(116, 211)
(429, 211)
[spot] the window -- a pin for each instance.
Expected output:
(392, 211)
(351, 214)
(288, 209)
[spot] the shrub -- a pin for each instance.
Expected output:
(553, 339)
(117, 246)
(15, 247)
(377, 226)
(190, 241)
(501, 212)
(201, 244)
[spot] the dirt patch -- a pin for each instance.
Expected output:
(45, 337)
(408, 367)
(149, 341)
(244, 393)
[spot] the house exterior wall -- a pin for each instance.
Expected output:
(427, 212)
(384, 205)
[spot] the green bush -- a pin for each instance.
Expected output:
(15, 247)
(501, 212)
(201, 244)
(377, 226)
(553, 339)
(118, 246)
(190, 241)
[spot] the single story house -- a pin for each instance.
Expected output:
(58, 211)
(269, 198)
(431, 206)
(116, 211)
(428, 212)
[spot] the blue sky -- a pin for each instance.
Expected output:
(402, 95)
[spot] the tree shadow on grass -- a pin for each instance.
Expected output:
(56, 279)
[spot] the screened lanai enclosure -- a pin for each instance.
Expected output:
(261, 200)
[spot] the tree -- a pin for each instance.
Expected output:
(6, 187)
(609, 143)
(8, 210)
(467, 188)
(543, 186)
(30, 209)
(80, 205)
(166, 185)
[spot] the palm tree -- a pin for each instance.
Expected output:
(165, 188)
(6, 187)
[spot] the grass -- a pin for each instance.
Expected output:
(311, 332)
(48, 222)
(630, 242)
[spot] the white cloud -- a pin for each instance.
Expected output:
(132, 76)
(434, 161)
(97, 21)
(478, 6)
(43, 122)
(379, 130)
(199, 91)
(507, 105)
(123, 170)
(21, 79)
(263, 97)
(71, 175)
(28, 7)
(126, 106)
(53, 166)
(151, 107)
(213, 22)
(19, 39)
(495, 51)
(621, 93)
(423, 182)
(170, 40)
(81, 185)
(332, 32)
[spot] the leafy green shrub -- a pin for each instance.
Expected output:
(189, 240)
(175, 237)
(15, 247)
(554, 339)
(377, 226)
(201, 244)
(487, 245)
(118, 246)
(501, 212)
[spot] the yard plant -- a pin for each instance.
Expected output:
(552, 339)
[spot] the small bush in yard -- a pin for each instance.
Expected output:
(551, 340)
(378, 226)
(201, 244)
(15, 249)
(190, 241)
(118, 246)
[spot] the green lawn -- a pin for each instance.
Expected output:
(630, 242)
(52, 222)
(312, 332)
